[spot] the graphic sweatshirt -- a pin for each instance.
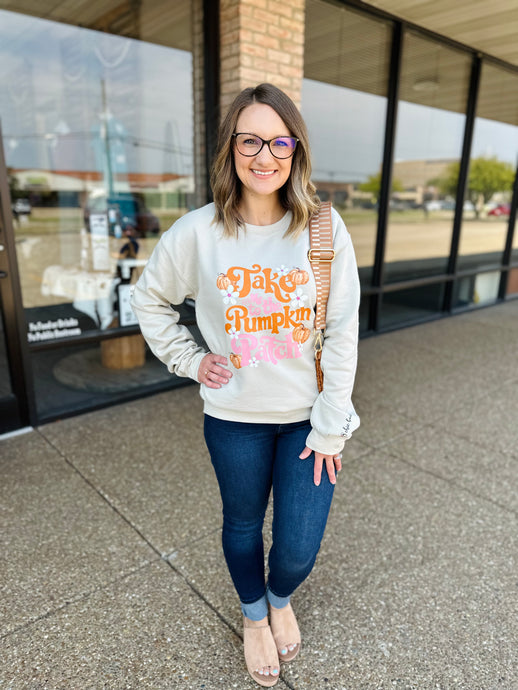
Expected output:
(255, 297)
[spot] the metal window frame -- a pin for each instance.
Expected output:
(508, 251)
(386, 174)
(462, 182)
(19, 362)
(378, 288)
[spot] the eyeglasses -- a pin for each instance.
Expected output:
(250, 145)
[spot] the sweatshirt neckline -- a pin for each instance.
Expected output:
(280, 226)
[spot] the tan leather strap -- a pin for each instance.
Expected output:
(321, 255)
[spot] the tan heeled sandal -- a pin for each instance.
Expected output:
(279, 637)
(254, 637)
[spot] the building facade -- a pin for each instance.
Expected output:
(109, 114)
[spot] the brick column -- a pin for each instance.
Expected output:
(261, 41)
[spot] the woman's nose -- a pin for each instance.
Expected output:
(265, 155)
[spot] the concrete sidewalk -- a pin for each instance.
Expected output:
(112, 574)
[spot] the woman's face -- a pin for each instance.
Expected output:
(261, 175)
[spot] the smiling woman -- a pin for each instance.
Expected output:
(245, 260)
(261, 172)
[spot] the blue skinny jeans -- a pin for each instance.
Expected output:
(250, 459)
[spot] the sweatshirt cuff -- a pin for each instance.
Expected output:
(328, 445)
(194, 365)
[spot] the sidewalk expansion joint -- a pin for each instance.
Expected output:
(217, 613)
(74, 600)
(455, 483)
(172, 554)
(102, 495)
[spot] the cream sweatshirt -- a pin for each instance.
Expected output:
(255, 298)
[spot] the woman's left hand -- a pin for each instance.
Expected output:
(333, 464)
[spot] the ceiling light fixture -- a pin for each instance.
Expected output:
(426, 84)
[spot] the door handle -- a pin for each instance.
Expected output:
(3, 274)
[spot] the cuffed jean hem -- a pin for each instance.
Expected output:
(257, 610)
(274, 600)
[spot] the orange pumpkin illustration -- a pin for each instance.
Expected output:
(301, 333)
(236, 360)
(223, 281)
(298, 277)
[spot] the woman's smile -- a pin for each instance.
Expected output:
(264, 174)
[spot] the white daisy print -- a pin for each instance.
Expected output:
(230, 295)
(283, 270)
(253, 362)
(298, 299)
(233, 332)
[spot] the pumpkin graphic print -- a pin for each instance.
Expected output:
(267, 313)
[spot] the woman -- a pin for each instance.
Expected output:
(244, 260)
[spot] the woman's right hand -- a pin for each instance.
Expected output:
(211, 374)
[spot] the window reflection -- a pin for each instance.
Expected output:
(477, 290)
(429, 136)
(411, 304)
(512, 282)
(344, 105)
(98, 140)
(492, 168)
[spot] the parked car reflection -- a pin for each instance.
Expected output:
(127, 213)
(22, 207)
(500, 210)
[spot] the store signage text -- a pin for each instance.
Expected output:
(51, 330)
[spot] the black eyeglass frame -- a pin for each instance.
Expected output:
(267, 142)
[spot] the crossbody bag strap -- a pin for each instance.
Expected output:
(321, 256)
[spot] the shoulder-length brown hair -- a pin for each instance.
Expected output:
(298, 194)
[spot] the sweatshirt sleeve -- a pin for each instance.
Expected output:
(161, 285)
(333, 417)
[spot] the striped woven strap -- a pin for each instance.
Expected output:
(321, 255)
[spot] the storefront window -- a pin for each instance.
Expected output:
(429, 136)
(494, 156)
(98, 137)
(98, 140)
(344, 104)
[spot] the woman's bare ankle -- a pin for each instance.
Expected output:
(249, 623)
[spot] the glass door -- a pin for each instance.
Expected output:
(14, 409)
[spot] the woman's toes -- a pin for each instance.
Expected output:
(284, 650)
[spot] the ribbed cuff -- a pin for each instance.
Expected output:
(328, 445)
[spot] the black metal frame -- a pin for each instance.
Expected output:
(378, 288)
(386, 175)
(17, 409)
(506, 259)
(462, 183)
